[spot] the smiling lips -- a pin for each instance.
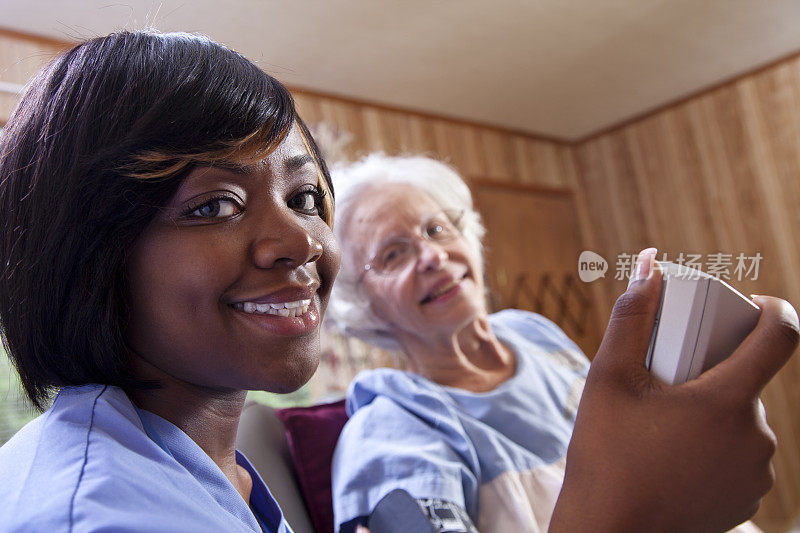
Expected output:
(441, 290)
(284, 309)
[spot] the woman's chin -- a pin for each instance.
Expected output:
(457, 308)
(456, 318)
(291, 377)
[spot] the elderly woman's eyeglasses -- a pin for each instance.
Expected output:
(398, 253)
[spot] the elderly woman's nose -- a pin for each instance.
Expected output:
(291, 245)
(431, 256)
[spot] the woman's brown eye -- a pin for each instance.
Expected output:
(434, 230)
(210, 209)
(215, 208)
(307, 201)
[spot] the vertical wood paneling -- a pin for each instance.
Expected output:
(474, 162)
(478, 153)
(499, 156)
(765, 149)
(599, 203)
(546, 166)
(718, 173)
(715, 172)
(7, 104)
(309, 108)
(523, 151)
(19, 61)
(423, 137)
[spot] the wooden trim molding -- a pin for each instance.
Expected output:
(11, 88)
(23, 36)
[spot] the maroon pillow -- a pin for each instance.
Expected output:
(311, 433)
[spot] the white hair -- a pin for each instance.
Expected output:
(348, 311)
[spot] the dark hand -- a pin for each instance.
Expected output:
(646, 456)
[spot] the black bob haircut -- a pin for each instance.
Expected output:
(99, 142)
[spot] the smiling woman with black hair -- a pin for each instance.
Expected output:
(166, 246)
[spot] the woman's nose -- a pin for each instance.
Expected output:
(291, 246)
(431, 256)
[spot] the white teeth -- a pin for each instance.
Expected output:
(446, 288)
(284, 309)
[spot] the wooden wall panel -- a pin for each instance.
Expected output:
(478, 152)
(20, 58)
(7, 103)
(538, 272)
(717, 173)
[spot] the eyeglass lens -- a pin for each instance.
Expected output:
(398, 253)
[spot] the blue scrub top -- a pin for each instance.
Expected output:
(94, 462)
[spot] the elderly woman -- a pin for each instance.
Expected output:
(476, 431)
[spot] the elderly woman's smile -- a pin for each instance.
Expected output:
(416, 268)
(442, 291)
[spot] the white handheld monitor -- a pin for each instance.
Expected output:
(700, 321)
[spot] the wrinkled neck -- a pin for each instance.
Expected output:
(470, 357)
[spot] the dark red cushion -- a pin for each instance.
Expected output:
(311, 433)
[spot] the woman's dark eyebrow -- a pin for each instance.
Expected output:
(292, 164)
(236, 168)
(296, 162)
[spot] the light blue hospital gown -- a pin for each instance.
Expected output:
(499, 454)
(94, 462)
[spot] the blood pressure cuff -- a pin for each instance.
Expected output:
(399, 512)
(446, 517)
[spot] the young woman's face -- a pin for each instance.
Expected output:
(228, 284)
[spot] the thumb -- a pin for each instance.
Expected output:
(630, 328)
